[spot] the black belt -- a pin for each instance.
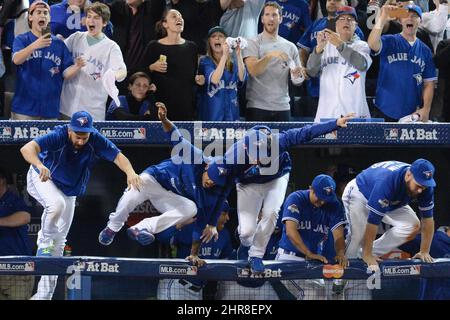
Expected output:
(192, 287)
(293, 253)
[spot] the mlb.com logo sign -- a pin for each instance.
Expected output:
(409, 270)
(178, 270)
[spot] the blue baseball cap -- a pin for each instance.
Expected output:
(346, 10)
(423, 172)
(217, 29)
(415, 8)
(217, 173)
(81, 121)
(325, 188)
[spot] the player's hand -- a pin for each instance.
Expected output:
(342, 261)
(313, 256)
(342, 122)
(208, 233)
(162, 111)
(158, 66)
(423, 115)
(372, 262)
(200, 79)
(44, 173)
(134, 180)
(196, 261)
(424, 256)
(43, 41)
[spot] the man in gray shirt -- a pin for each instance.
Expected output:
(269, 59)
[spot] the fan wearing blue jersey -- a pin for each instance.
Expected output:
(180, 188)
(262, 165)
(308, 216)
(383, 192)
(61, 163)
(43, 62)
(407, 73)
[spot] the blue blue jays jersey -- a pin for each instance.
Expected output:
(308, 41)
(40, 77)
(313, 223)
(383, 185)
(246, 173)
(71, 168)
(124, 104)
(440, 245)
(13, 240)
(403, 70)
(65, 22)
(219, 102)
(182, 174)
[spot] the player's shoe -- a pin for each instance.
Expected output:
(142, 236)
(106, 236)
(242, 252)
(44, 252)
(256, 265)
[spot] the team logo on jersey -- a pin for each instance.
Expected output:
(53, 71)
(293, 208)
(352, 77)
(95, 75)
(332, 271)
(418, 77)
(409, 270)
(384, 203)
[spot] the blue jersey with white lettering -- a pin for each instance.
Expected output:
(13, 240)
(403, 70)
(383, 185)
(247, 173)
(70, 168)
(65, 22)
(219, 102)
(313, 223)
(308, 41)
(40, 78)
(182, 174)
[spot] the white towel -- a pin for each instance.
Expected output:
(109, 83)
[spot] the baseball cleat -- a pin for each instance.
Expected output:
(44, 252)
(256, 265)
(142, 236)
(106, 236)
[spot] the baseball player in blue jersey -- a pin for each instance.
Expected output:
(262, 165)
(43, 62)
(383, 192)
(308, 216)
(180, 188)
(308, 41)
(187, 243)
(407, 72)
(61, 163)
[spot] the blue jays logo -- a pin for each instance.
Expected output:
(293, 208)
(428, 174)
(222, 171)
(352, 76)
(384, 203)
(53, 71)
(418, 77)
(95, 75)
(328, 190)
(83, 121)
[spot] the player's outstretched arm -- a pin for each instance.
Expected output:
(124, 164)
(369, 237)
(427, 237)
(342, 122)
(30, 153)
(162, 115)
(193, 257)
(339, 245)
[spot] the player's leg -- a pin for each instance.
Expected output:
(405, 226)
(273, 199)
(249, 203)
(356, 214)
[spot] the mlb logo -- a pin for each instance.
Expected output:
(29, 266)
(391, 134)
(191, 271)
(5, 131)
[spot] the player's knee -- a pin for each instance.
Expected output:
(414, 230)
(56, 207)
(190, 209)
(246, 232)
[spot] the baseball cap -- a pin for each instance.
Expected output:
(443, 228)
(38, 3)
(81, 121)
(217, 173)
(325, 188)
(346, 10)
(415, 8)
(217, 29)
(423, 172)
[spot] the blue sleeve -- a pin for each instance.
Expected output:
(67, 56)
(291, 209)
(196, 233)
(195, 155)
(360, 34)
(305, 18)
(104, 148)
(18, 44)
(426, 203)
(337, 217)
(222, 197)
(227, 250)
(305, 40)
(166, 235)
(429, 73)
(293, 137)
(19, 205)
(207, 67)
(51, 141)
(386, 45)
(378, 202)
